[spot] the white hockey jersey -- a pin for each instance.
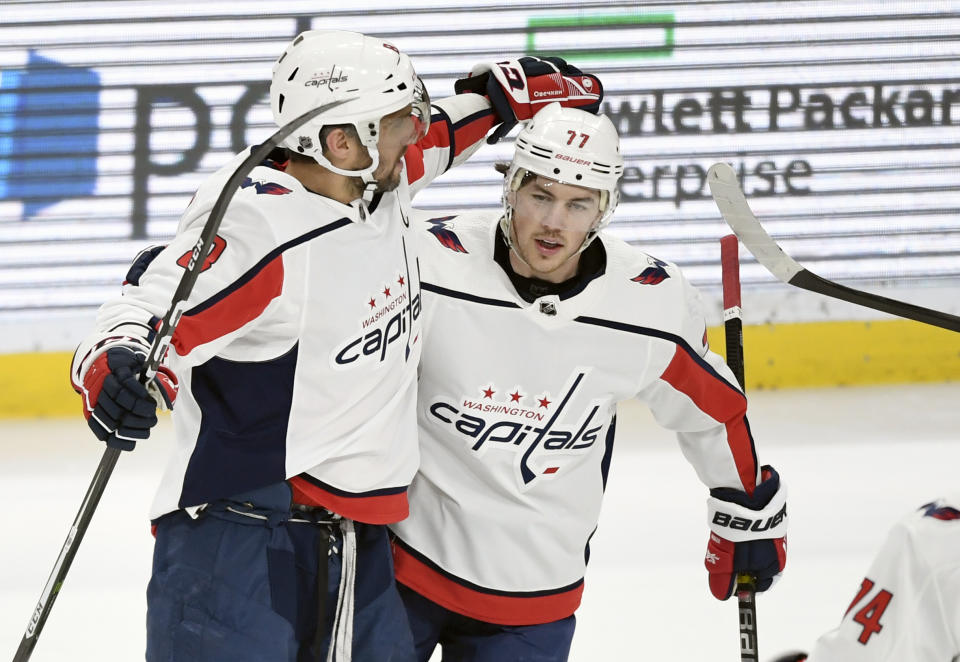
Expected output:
(298, 350)
(516, 414)
(908, 605)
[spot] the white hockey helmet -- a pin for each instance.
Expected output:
(570, 146)
(322, 66)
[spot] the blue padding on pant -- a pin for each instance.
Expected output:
(231, 588)
(464, 639)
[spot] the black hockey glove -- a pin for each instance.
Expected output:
(519, 88)
(791, 657)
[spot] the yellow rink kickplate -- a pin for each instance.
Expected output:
(807, 355)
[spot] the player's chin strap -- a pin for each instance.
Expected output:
(365, 174)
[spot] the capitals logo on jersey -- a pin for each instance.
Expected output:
(940, 511)
(265, 188)
(545, 433)
(654, 274)
(446, 236)
(390, 318)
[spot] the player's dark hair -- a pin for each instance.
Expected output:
(504, 168)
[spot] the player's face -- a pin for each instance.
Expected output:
(397, 131)
(550, 222)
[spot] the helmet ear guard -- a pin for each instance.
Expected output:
(375, 78)
(572, 147)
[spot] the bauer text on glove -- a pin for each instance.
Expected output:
(748, 534)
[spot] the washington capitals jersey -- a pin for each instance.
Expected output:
(517, 409)
(908, 605)
(298, 347)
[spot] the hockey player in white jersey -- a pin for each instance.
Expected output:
(907, 608)
(536, 325)
(296, 356)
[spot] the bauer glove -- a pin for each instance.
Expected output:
(118, 408)
(747, 534)
(519, 88)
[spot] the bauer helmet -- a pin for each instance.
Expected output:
(572, 147)
(323, 66)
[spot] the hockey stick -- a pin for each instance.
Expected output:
(733, 328)
(736, 212)
(158, 350)
(732, 316)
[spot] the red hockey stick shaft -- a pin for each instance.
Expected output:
(733, 328)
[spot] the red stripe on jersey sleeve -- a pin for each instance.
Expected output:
(472, 132)
(414, 161)
(721, 402)
(241, 305)
(502, 609)
(380, 509)
(437, 136)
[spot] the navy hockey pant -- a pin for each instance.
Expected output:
(230, 587)
(464, 639)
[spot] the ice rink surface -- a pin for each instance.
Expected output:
(855, 460)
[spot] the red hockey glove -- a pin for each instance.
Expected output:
(118, 408)
(747, 534)
(519, 88)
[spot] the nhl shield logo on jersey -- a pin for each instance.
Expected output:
(654, 274)
(440, 228)
(527, 425)
(265, 188)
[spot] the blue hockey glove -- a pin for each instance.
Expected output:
(118, 408)
(747, 534)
